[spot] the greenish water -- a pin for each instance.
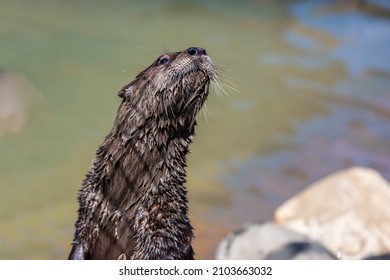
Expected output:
(314, 97)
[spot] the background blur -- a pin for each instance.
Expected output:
(314, 97)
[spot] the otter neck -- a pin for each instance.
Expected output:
(147, 179)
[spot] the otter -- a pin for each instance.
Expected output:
(133, 201)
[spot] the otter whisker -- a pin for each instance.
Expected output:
(205, 113)
(222, 83)
(218, 88)
(229, 84)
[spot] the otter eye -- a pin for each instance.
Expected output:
(163, 60)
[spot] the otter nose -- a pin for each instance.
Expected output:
(196, 51)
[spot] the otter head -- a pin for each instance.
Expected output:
(174, 86)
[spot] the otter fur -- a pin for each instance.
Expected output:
(133, 201)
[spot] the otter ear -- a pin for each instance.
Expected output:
(126, 91)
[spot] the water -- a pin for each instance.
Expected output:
(313, 80)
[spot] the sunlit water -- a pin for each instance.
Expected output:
(313, 82)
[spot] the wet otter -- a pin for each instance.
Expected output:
(133, 202)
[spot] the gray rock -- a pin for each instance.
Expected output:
(18, 98)
(348, 212)
(269, 241)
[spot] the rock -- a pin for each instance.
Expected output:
(269, 241)
(348, 212)
(17, 97)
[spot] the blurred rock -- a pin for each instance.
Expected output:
(348, 212)
(17, 98)
(269, 241)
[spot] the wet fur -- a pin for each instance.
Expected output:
(133, 202)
